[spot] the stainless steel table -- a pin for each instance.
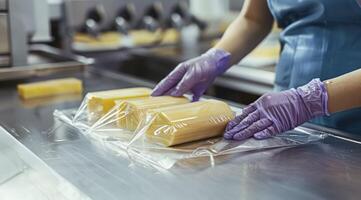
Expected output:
(330, 169)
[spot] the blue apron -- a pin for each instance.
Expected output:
(320, 39)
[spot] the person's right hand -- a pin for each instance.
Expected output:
(276, 112)
(194, 75)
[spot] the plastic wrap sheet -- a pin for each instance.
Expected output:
(100, 128)
(80, 118)
(97, 104)
(138, 147)
(142, 148)
(120, 122)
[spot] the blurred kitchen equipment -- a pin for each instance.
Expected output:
(21, 24)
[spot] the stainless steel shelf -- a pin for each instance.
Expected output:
(43, 60)
(254, 80)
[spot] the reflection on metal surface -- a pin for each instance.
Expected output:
(44, 101)
(25, 176)
(61, 133)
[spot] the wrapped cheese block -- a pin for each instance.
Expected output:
(50, 88)
(189, 122)
(99, 103)
(133, 111)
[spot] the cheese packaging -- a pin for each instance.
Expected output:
(50, 88)
(188, 122)
(132, 112)
(99, 103)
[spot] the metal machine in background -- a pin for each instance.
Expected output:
(189, 18)
(17, 25)
(103, 15)
(94, 17)
(23, 23)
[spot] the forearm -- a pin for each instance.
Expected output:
(247, 31)
(344, 92)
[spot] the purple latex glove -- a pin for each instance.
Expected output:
(275, 113)
(194, 75)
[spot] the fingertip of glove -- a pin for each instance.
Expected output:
(261, 135)
(155, 93)
(227, 136)
(240, 136)
(176, 93)
(229, 126)
(195, 98)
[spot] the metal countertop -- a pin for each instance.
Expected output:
(330, 169)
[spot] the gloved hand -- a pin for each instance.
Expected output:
(194, 75)
(275, 113)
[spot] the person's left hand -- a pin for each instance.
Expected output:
(275, 113)
(194, 75)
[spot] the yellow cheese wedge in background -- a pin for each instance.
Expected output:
(108, 38)
(138, 38)
(145, 37)
(99, 103)
(50, 88)
(133, 111)
(189, 122)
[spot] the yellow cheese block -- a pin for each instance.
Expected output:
(108, 38)
(138, 37)
(99, 103)
(145, 37)
(133, 111)
(170, 36)
(50, 88)
(189, 122)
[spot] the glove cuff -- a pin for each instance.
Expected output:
(222, 58)
(315, 98)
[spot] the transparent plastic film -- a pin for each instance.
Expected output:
(97, 104)
(163, 131)
(195, 130)
(181, 124)
(126, 116)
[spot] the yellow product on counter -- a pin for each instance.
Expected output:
(145, 37)
(133, 111)
(108, 38)
(189, 122)
(50, 88)
(111, 40)
(170, 36)
(99, 103)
